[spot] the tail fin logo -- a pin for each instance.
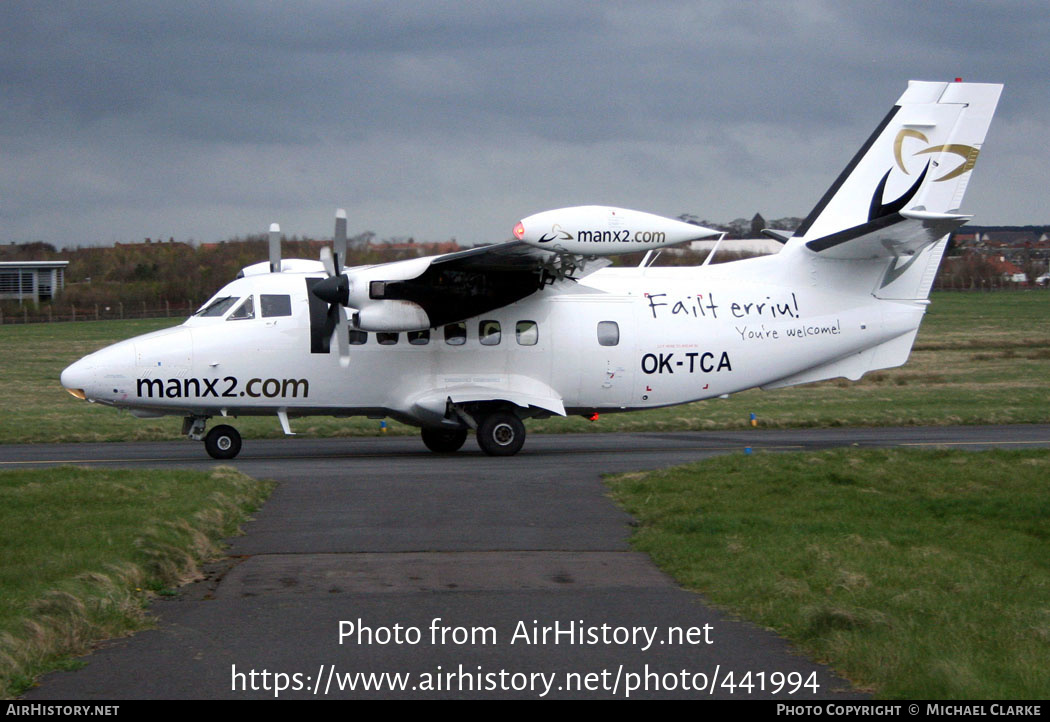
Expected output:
(967, 152)
(878, 209)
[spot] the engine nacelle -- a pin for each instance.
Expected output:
(391, 317)
(605, 231)
(360, 290)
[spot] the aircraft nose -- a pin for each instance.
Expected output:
(76, 377)
(84, 378)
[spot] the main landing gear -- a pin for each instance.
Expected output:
(499, 432)
(444, 441)
(222, 442)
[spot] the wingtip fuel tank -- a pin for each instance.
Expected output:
(605, 231)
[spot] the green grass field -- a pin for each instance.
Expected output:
(82, 549)
(919, 574)
(979, 358)
(915, 574)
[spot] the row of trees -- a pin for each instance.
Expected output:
(155, 272)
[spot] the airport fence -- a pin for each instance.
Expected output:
(46, 313)
(983, 284)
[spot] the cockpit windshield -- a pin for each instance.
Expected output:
(218, 307)
(245, 310)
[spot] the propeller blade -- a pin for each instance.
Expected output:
(342, 331)
(336, 328)
(329, 263)
(275, 248)
(339, 241)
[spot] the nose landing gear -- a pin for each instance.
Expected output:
(222, 442)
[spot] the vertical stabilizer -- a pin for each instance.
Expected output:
(900, 196)
(917, 161)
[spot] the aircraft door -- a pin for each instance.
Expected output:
(605, 345)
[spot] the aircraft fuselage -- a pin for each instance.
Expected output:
(621, 339)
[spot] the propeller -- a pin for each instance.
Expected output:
(335, 290)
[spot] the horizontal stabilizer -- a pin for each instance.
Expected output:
(778, 236)
(900, 234)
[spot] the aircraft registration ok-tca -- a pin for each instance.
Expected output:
(483, 338)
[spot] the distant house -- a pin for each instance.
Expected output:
(1007, 239)
(31, 281)
(1008, 271)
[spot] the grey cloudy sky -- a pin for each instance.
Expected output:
(205, 120)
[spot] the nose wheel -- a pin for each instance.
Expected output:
(223, 442)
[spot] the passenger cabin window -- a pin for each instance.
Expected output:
(419, 338)
(386, 339)
(489, 333)
(527, 333)
(273, 305)
(358, 338)
(608, 333)
(456, 334)
(245, 311)
(218, 307)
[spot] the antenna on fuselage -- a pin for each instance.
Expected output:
(275, 248)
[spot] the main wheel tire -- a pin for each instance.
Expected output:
(444, 441)
(501, 434)
(223, 442)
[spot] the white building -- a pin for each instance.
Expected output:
(31, 281)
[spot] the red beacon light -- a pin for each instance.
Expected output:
(519, 231)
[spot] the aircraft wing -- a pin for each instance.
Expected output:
(551, 247)
(466, 283)
(432, 291)
(518, 255)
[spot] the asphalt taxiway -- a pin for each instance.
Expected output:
(380, 534)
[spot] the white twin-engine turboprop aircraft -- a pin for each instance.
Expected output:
(486, 337)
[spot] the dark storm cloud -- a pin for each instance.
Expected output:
(453, 119)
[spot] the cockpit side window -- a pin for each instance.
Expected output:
(244, 311)
(273, 304)
(218, 307)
